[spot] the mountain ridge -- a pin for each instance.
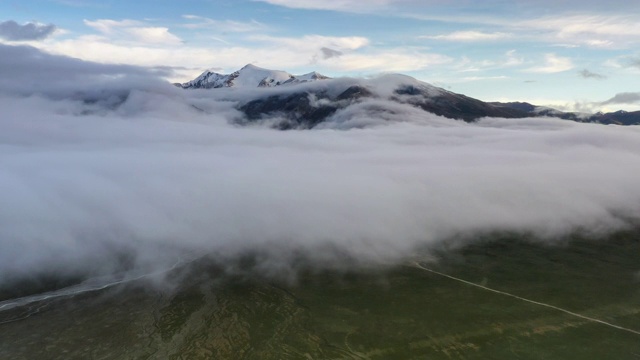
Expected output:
(307, 107)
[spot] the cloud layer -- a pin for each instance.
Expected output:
(159, 172)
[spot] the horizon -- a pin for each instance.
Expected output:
(547, 53)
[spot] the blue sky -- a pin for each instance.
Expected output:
(574, 55)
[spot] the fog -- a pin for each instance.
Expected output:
(114, 167)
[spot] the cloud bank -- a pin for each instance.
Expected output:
(94, 183)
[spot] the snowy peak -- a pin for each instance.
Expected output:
(312, 76)
(249, 76)
(207, 80)
(252, 76)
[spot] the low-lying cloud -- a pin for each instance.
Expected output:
(27, 70)
(164, 172)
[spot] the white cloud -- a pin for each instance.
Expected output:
(340, 5)
(470, 36)
(155, 177)
(583, 106)
(391, 60)
(483, 78)
(426, 6)
(134, 31)
(138, 170)
(315, 42)
(510, 59)
(553, 64)
(108, 26)
(154, 35)
(286, 53)
(200, 22)
(598, 31)
(354, 54)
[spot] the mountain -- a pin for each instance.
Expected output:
(620, 117)
(249, 76)
(308, 108)
(305, 107)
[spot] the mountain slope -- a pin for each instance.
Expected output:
(307, 107)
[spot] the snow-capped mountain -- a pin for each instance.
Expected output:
(308, 106)
(249, 76)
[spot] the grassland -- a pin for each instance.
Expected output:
(399, 312)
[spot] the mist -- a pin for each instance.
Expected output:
(114, 167)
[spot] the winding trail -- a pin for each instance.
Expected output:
(420, 266)
(90, 285)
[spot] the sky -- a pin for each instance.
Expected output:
(574, 55)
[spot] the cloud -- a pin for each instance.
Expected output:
(200, 22)
(612, 29)
(586, 74)
(511, 59)
(108, 26)
(154, 35)
(134, 42)
(340, 5)
(624, 98)
(28, 71)
(425, 5)
(483, 78)
(353, 53)
(328, 53)
(598, 31)
(12, 31)
(163, 173)
(470, 36)
(634, 62)
(114, 47)
(391, 60)
(623, 62)
(553, 64)
(134, 31)
(338, 43)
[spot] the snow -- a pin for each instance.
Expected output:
(250, 76)
(311, 77)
